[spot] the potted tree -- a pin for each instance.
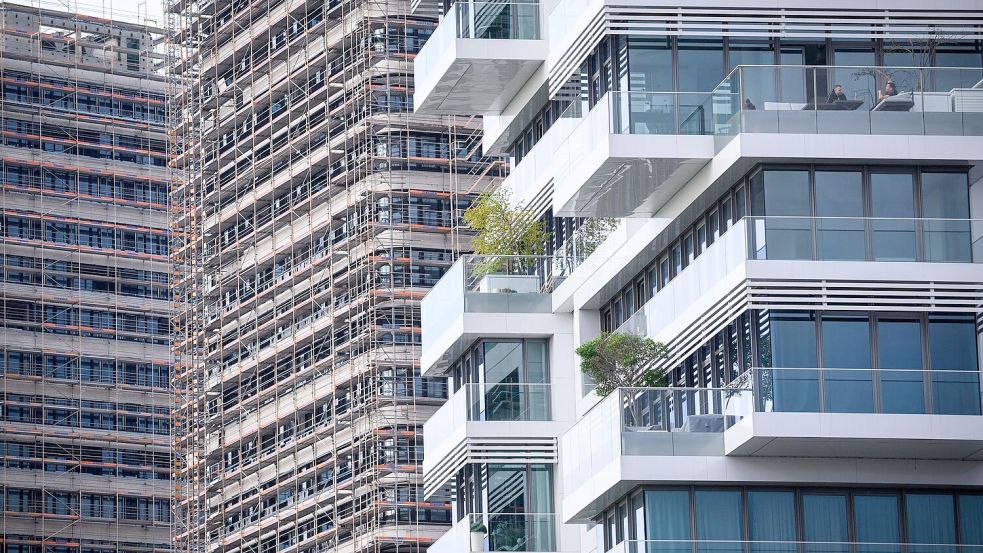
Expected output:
(621, 360)
(504, 232)
(478, 532)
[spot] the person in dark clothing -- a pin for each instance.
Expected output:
(836, 94)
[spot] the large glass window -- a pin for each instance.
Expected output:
(899, 344)
(771, 521)
(650, 64)
(892, 204)
(667, 520)
(718, 521)
(931, 519)
(971, 519)
(846, 345)
(945, 196)
(825, 520)
(876, 521)
(955, 373)
(782, 195)
(700, 66)
(840, 208)
(787, 343)
(506, 380)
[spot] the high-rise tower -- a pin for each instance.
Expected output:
(85, 321)
(316, 211)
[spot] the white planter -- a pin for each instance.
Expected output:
(517, 284)
(477, 541)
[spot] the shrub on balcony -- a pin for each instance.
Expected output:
(621, 360)
(504, 229)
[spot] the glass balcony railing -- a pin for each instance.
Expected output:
(507, 402)
(496, 20)
(781, 546)
(803, 99)
(836, 390)
(865, 239)
(682, 409)
(517, 531)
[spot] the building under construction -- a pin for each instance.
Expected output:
(85, 329)
(315, 211)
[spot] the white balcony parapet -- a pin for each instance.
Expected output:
(479, 57)
(489, 296)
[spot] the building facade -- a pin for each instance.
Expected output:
(85, 331)
(316, 210)
(795, 186)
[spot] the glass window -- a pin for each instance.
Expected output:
(839, 209)
(760, 83)
(718, 521)
(892, 204)
(846, 345)
(931, 519)
(771, 518)
(971, 519)
(783, 197)
(787, 341)
(650, 64)
(899, 346)
(638, 517)
(824, 519)
(955, 373)
(946, 196)
(700, 65)
(875, 518)
(667, 517)
(858, 84)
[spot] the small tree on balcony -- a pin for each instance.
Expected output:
(621, 360)
(504, 230)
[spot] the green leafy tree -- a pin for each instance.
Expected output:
(504, 229)
(620, 360)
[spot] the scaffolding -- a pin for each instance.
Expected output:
(85, 360)
(313, 212)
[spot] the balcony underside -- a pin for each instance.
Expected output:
(630, 175)
(475, 75)
(867, 435)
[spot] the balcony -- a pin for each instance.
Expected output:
(507, 420)
(525, 532)
(887, 263)
(815, 423)
(778, 546)
(633, 150)
(479, 57)
(631, 153)
(482, 296)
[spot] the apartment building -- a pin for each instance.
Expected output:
(85, 356)
(315, 209)
(796, 185)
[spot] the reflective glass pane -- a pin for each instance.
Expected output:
(955, 373)
(930, 519)
(824, 519)
(846, 344)
(899, 346)
(788, 339)
(946, 196)
(667, 519)
(700, 67)
(718, 521)
(892, 205)
(783, 197)
(840, 208)
(876, 522)
(771, 519)
(650, 64)
(971, 519)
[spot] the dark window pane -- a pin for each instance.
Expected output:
(787, 339)
(931, 519)
(701, 64)
(955, 374)
(771, 518)
(839, 196)
(667, 514)
(846, 344)
(971, 519)
(892, 201)
(876, 522)
(824, 519)
(718, 520)
(900, 347)
(785, 232)
(946, 196)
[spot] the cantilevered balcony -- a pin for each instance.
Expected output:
(525, 532)
(479, 57)
(633, 150)
(486, 296)
(803, 418)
